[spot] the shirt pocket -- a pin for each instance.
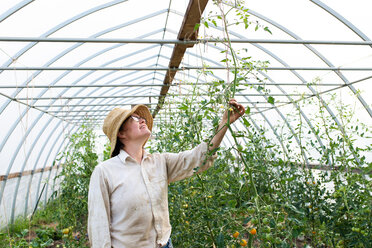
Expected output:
(157, 178)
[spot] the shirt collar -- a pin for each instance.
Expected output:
(145, 154)
(123, 155)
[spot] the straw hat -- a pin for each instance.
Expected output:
(117, 116)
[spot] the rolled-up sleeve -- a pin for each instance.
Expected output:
(185, 164)
(99, 210)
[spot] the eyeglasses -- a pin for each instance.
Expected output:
(138, 118)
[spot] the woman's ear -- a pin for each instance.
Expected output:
(121, 134)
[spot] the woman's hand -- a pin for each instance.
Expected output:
(236, 111)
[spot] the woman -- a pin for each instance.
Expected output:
(128, 194)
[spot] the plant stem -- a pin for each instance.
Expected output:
(206, 206)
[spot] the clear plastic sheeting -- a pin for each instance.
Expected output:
(38, 187)
(63, 62)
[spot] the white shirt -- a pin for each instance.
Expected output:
(128, 202)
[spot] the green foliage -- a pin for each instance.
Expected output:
(41, 231)
(107, 151)
(257, 185)
(40, 236)
(47, 213)
(62, 222)
(18, 226)
(206, 205)
(79, 162)
(250, 186)
(17, 231)
(262, 192)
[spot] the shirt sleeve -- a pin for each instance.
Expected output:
(99, 210)
(185, 164)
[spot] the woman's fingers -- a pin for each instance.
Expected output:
(238, 107)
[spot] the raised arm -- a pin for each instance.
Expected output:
(236, 111)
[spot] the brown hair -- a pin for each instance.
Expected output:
(119, 145)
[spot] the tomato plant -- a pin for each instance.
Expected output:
(261, 191)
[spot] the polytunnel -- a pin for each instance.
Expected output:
(302, 69)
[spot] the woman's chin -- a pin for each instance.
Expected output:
(147, 133)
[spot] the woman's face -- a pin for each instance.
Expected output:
(134, 129)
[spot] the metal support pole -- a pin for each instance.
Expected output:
(183, 42)
(138, 96)
(149, 85)
(41, 68)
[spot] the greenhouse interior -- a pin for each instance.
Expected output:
(293, 170)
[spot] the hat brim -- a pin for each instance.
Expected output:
(142, 111)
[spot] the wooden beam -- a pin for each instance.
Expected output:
(187, 32)
(26, 173)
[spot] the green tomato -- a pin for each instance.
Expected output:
(266, 229)
(251, 210)
(280, 226)
(269, 237)
(277, 240)
(254, 221)
(265, 221)
(341, 242)
(268, 208)
(240, 147)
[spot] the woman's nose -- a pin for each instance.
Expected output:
(142, 120)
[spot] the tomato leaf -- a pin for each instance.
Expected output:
(267, 30)
(214, 22)
(196, 26)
